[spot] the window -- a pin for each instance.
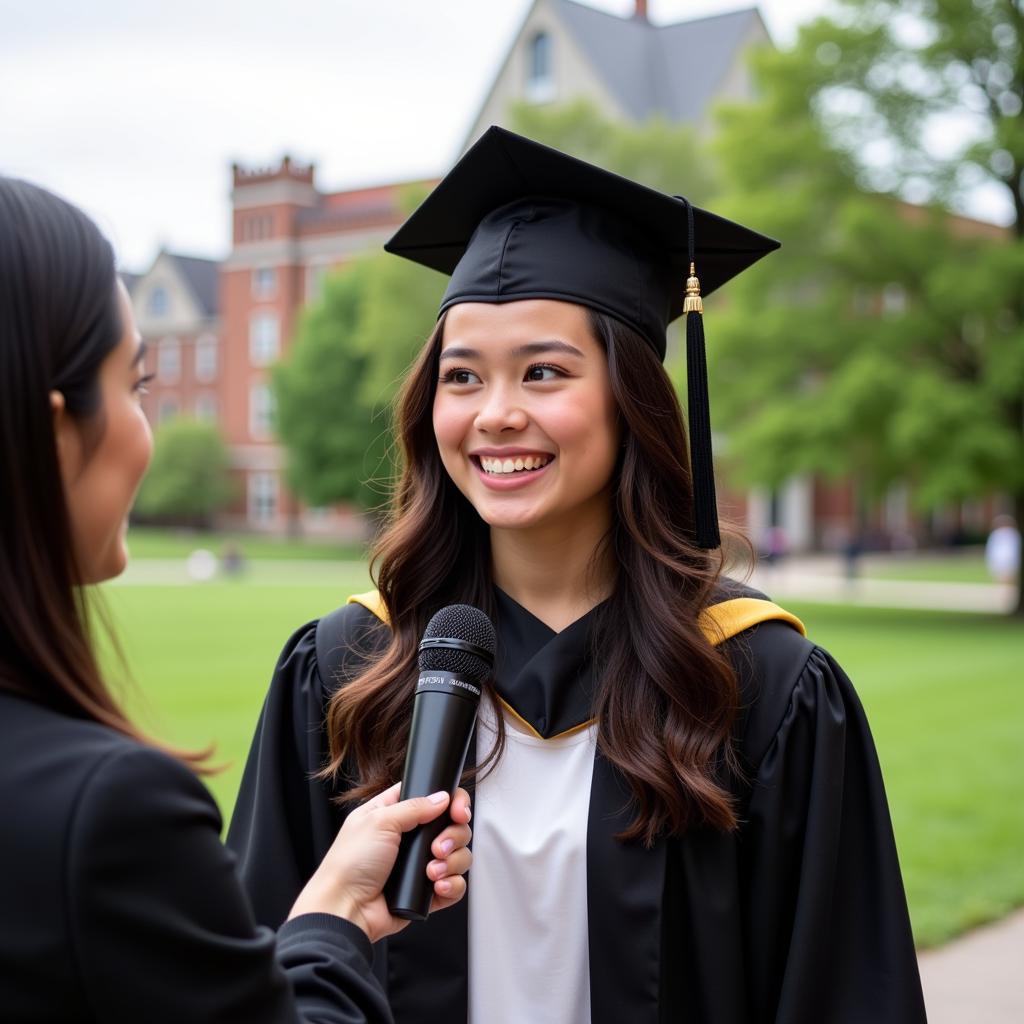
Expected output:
(167, 408)
(206, 407)
(264, 338)
(540, 77)
(261, 411)
(158, 303)
(262, 497)
(206, 358)
(168, 359)
(257, 226)
(264, 282)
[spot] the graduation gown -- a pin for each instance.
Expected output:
(798, 916)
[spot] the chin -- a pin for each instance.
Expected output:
(111, 566)
(510, 519)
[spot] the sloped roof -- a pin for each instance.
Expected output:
(673, 70)
(201, 276)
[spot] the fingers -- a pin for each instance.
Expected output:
(447, 892)
(384, 799)
(457, 864)
(461, 809)
(407, 814)
(450, 839)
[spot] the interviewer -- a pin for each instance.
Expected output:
(117, 900)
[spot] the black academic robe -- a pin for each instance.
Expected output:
(119, 902)
(799, 917)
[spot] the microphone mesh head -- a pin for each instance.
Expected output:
(459, 622)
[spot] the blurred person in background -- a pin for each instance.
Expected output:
(119, 901)
(1002, 549)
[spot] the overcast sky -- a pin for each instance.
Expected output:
(135, 110)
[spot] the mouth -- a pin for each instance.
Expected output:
(512, 472)
(513, 465)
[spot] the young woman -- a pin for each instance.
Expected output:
(679, 810)
(119, 901)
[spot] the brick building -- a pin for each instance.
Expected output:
(176, 307)
(286, 235)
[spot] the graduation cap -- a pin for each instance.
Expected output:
(515, 219)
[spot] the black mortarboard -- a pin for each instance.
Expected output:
(514, 219)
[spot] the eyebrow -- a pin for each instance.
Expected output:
(140, 353)
(532, 348)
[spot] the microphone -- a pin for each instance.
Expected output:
(456, 657)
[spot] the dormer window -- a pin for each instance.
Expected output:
(157, 304)
(540, 72)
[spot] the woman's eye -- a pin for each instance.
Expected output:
(460, 377)
(140, 386)
(543, 373)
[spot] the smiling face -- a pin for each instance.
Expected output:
(102, 476)
(525, 422)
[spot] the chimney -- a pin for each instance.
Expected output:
(641, 10)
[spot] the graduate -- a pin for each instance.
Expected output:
(678, 809)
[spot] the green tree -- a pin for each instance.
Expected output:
(885, 341)
(336, 385)
(659, 153)
(188, 479)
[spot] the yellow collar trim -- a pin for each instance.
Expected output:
(718, 622)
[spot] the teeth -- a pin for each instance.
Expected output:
(519, 463)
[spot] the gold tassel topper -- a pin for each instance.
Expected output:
(692, 303)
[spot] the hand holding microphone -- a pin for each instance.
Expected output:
(350, 878)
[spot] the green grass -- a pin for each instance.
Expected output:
(201, 656)
(944, 692)
(952, 568)
(147, 542)
(945, 697)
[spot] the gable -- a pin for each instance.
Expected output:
(165, 298)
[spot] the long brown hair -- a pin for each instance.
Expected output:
(666, 699)
(59, 319)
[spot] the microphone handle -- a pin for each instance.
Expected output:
(442, 726)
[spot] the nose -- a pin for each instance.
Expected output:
(500, 413)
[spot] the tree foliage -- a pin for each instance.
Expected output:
(886, 340)
(188, 478)
(659, 153)
(334, 390)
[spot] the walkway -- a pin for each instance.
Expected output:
(979, 978)
(822, 579)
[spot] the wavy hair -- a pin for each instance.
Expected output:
(666, 698)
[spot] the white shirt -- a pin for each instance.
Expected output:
(529, 956)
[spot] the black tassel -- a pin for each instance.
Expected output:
(701, 466)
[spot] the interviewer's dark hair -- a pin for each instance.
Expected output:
(59, 319)
(667, 698)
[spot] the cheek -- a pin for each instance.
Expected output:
(102, 497)
(588, 428)
(452, 421)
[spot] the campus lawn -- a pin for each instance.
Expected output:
(944, 692)
(945, 697)
(148, 542)
(928, 568)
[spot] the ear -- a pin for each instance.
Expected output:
(65, 433)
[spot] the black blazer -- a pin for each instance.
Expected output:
(118, 901)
